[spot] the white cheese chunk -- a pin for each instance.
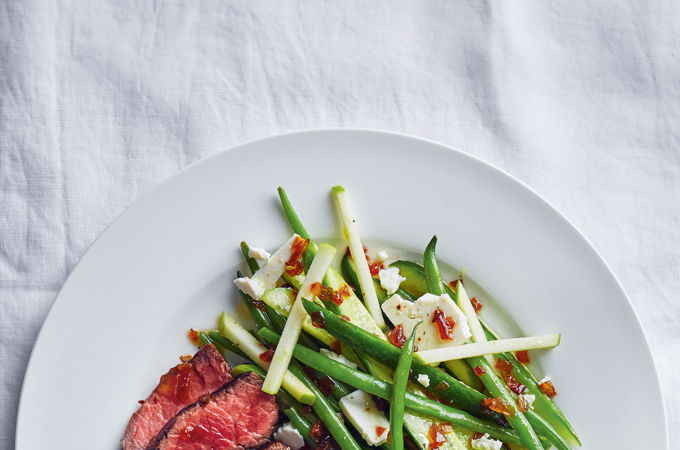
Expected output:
(361, 411)
(528, 398)
(390, 279)
(382, 255)
(269, 273)
(261, 255)
(290, 436)
(251, 287)
(423, 379)
(486, 443)
(339, 358)
(408, 314)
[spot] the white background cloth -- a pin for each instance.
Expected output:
(101, 100)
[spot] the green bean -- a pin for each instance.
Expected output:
(252, 262)
(401, 375)
(300, 424)
(219, 340)
(278, 321)
(432, 275)
(489, 378)
(258, 315)
(441, 383)
(204, 339)
(382, 389)
(297, 227)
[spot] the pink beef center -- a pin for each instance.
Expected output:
(241, 417)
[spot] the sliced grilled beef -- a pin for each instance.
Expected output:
(237, 416)
(183, 385)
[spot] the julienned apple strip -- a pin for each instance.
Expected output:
(232, 330)
(291, 332)
(488, 348)
(351, 234)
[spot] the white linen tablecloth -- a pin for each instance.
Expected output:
(101, 100)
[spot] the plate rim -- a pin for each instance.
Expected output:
(149, 192)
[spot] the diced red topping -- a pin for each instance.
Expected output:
(476, 304)
(294, 264)
(522, 404)
(373, 266)
(396, 336)
(344, 317)
(453, 284)
(503, 367)
(444, 324)
(326, 293)
(325, 384)
(345, 291)
(318, 319)
(435, 437)
(498, 405)
(336, 346)
(548, 388)
(380, 431)
(194, 337)
(185, 358)
(267, 356)
(523, 356)
(259, 304)
(337, 298)
(141, 402)
(376, 267)
(514, 385)
(317, 431)
(479, 371)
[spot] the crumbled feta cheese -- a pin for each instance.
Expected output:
(390, 279)
(269, 273)
(261, 255)
(361, 411)
(423, 379)
(290, 436)
(382, 255)
(486, 443)
(251, 287)
(545, 379)
(408, 314)
(528, 398)
(339, 358)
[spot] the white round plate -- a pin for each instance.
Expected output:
(167, 263)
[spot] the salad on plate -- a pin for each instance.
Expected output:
(352, 351)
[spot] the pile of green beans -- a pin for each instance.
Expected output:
(382, 389)
(519, 421)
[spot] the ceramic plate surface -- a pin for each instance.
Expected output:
(168, 262)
